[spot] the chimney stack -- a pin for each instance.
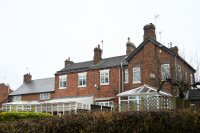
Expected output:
(174, 49)
(68, 62)
(130, 47)
(97, 55)
(27, 77)
(149, 31)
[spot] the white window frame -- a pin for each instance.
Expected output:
(44, 96)
(103, 74)
(17, 98)
(164, 72)
(136, 69)
(82, 77)
(63, 79)
(126, 76)
(19, 108)
(105, 103)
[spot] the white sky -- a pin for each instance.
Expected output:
(41, 34)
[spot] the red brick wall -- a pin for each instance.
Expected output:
(4, 93)
(33, 97)
(150, 59)
(93, 77)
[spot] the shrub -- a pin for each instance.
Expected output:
(183, 121)
(11, 116)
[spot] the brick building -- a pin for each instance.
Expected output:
(143, 66)
(34, 90)
(4, 92)
(149, 63)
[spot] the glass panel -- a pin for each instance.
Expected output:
(144, 90)
(152, 91)
(136, 74)
(132, 97)
(124, 98)
(143, 97)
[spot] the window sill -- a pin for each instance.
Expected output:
(125, 82)
(136, 83)
(45, 99)
(82, 86)
(104, 83)
(61, 88)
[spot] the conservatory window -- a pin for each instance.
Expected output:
(107, 103)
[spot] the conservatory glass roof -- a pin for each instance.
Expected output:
(143, 90)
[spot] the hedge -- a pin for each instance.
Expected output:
(184, 121)
(11, 116)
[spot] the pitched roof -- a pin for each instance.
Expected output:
(89, 65)
(194, 94)
(143, 90)
(36, 86)
(159, 45)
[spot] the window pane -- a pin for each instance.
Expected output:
(82, 80)
(165, 71)
(64, 83)
(104, 77)
(126, 76)
(136, 75)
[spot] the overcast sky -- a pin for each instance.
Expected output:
(41, 34)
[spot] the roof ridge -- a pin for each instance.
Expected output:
(43, 79)
(102, 59)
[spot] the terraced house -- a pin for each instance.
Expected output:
(121, 79)
(148, 64)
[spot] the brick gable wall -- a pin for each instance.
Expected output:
(149, 59)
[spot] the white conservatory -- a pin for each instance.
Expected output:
(144, 98)
(54, 106)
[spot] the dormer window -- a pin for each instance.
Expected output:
(62, 82)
